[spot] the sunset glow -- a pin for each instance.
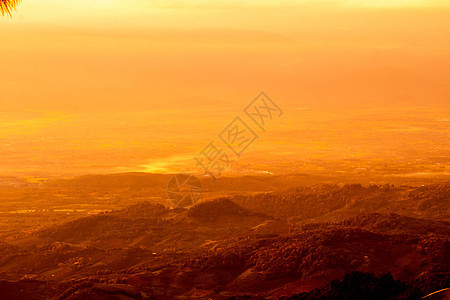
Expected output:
(66, 74)
(224, 149)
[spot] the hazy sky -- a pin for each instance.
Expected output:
(74, 75)
(166, 13)
(74, 55)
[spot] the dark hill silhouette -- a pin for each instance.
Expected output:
(356, 284)
(394, 223)
(140, 180)
(155, 226)
(220, 207)
(387, 223)
(335, 203)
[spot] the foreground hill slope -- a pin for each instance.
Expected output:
(284, 244)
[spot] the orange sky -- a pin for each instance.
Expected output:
(250, 14)
(66, 66)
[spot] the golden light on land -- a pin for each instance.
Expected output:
(6, 6)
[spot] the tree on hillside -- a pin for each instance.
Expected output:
(7, 6)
